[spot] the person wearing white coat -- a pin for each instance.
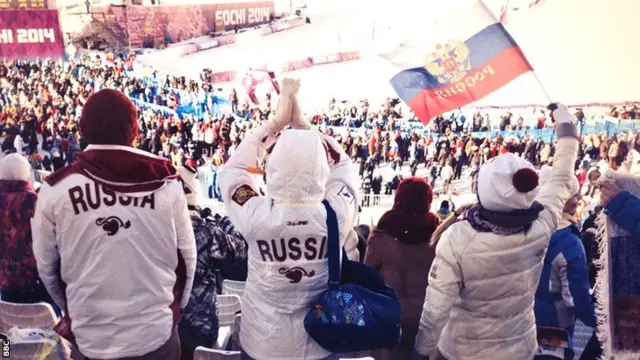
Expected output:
(479, 302)
(113, 240)
(286, 230)
(18, 144)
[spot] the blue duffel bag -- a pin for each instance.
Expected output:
(359, 311)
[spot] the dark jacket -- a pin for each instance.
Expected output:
(18, 271)
(404, 264)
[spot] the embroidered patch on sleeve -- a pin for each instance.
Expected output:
(243, 194)
(346, 194)
(433, 274)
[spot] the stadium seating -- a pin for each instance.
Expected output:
(235, 337)
(27, 316)
(203, 353)
(228, 307)
(29, 350)
(230, 287)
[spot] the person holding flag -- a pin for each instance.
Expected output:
(480, 299)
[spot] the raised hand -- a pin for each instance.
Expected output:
(284, 111)
(297, 119)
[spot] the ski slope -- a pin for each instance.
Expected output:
(325, 35)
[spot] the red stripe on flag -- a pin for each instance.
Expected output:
(477, 84)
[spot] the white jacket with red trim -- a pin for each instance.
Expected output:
(287, 234)
(117, 255)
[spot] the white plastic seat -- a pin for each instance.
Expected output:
(203, 353)
(230, 287)
(228, 306)
(26, 316)
(37, 349)
(235, 337)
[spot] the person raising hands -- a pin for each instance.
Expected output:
(286, 229)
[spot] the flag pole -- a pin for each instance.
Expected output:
(503, 16)
(544, 90)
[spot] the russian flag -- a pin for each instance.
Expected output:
(264, 81)
(469, 56)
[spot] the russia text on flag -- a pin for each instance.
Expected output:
(466, 56)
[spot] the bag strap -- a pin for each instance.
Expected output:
(333, 246)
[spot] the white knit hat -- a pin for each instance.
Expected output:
(545, 175)
(507, 182)
(190, 177)
(15, 167)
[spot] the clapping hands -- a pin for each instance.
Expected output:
(288, 111)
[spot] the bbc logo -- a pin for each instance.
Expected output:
(6, 349)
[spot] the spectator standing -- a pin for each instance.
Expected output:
(399, 249)
(447, 176)
(19, 280)
(444, 211)
(113, 240)
(563, 292)
(479, 303)
(212, 179)
(199, 323)
(286, 229)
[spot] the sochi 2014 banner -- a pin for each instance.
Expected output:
(143, 26)
(30, 34)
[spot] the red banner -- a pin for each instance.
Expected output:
(143, 25)
(30, 34)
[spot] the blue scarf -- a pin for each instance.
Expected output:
(503, 223)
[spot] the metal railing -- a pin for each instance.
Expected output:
(39, 175)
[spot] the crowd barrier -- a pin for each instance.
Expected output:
(39, 175)
(164, 110)
(307, 62)
(605, 124)
(611, 126)
(188, 109)
(608, 127)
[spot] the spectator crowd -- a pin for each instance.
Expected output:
(117, 241)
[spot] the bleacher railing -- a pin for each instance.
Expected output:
(607, 126)
(39, 175)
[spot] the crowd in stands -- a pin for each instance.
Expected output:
(117, 241)
(41, 102)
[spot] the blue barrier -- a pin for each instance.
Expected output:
(608, 126)
(547, 135)
(167, 111)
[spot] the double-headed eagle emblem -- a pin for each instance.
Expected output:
(449, 62)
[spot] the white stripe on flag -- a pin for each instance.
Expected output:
(453, 20)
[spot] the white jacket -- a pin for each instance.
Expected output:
(117, 256)
(286, 232)
(479, 302)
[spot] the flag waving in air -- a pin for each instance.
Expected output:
(464, 58)
(259, 79)
(514, 5)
